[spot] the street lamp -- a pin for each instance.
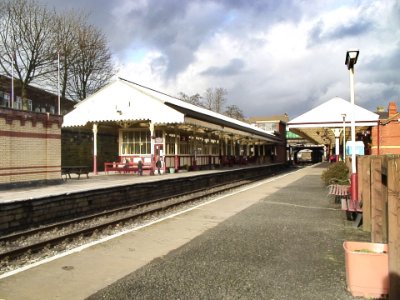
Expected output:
(58, 82)
(344, 137)
(351, 60)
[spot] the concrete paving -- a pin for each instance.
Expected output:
(281, 239)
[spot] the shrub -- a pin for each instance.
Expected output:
(336, 172)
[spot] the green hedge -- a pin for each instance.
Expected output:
(336, 172)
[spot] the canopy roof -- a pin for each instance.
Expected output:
(125, 101)
(316, 123)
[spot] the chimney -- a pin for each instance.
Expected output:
(392, 109)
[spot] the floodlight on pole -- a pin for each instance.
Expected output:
(12, 80)
(58, 82)
(351, 60)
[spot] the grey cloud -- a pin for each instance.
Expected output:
(178, 28)
(235, 66)
(318, 35)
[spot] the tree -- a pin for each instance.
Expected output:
(65, 36)
(235, 112)
(219, 99)
(25, 30)
(92, 67)
(34, 40)
(209, 99)
(215, 99)
(194, 99)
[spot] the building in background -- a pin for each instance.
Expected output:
(298, 148)
(39, 100)
(386, 136)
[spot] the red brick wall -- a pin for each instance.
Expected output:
(389, 138)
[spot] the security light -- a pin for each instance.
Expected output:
(351, 58)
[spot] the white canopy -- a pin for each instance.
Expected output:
(122, 100)
(119, 101)
(330, 114)
(314, 124)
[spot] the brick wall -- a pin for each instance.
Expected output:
(386, 136)
(389, 138)
(30, 147)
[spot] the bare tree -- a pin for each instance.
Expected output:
(219, 99)
(92, 67)
(209, 99)
(235, 112)
(34, 40)
(215, 99)
(194, 99)
(25, 31)
(64, 38)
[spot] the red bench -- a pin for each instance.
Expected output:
(125, 167)
(342, 195)
(339, 190)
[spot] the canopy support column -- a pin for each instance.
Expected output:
(337, 132)
(176, 150)
(95, 148)
(152, 145)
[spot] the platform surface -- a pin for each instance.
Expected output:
(100, 180)
(280, 239)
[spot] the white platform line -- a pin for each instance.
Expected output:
(105, 239)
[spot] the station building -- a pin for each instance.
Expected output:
(39, 100)
(30, 135)
(145, 124)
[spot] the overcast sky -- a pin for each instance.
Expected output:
(272, 56)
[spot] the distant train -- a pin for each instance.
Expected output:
(304, 156)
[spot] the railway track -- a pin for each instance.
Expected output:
(23, 245)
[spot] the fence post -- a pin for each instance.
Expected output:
(394, 227)
(364, 189)
(384, 180)
(377, 201)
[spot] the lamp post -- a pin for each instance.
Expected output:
(58, 82)
(344, 137)
(351, 60)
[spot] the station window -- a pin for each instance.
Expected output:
(4, 99)
(30, 105)
(170, 143)
(268, 126)
(184, 145)
(18, 102)
(214, 144)
(136, 142)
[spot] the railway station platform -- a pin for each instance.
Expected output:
(280, 238)
(74, 184)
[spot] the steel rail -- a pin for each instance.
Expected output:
(52, 242)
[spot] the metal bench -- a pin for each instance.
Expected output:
(68, 170)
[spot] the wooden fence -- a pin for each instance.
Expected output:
(379, 190)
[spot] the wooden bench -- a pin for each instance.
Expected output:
(342, 195)
(68, 170)
(339, 190)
